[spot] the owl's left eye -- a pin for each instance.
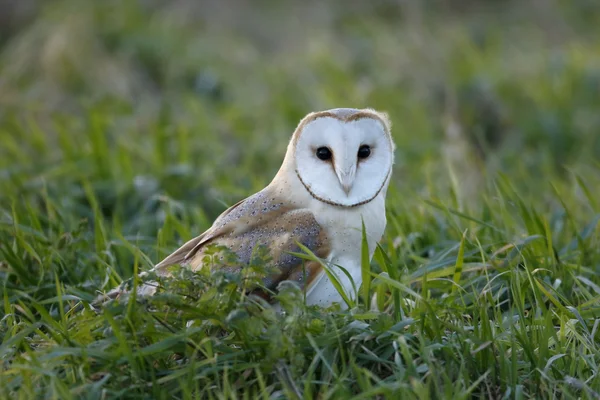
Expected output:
(364, 151)
(323, 153)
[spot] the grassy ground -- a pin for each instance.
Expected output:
(126, 128)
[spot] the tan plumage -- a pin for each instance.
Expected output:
(261, 219)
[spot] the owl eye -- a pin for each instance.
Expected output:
(364, 151)
(323, 153)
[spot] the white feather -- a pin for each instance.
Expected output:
(344, 139)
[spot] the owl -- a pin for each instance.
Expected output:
(334, 176)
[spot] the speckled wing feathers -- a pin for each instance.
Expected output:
(261, 219)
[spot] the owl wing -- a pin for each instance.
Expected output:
(262, 219)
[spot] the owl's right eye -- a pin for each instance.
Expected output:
(323, 153)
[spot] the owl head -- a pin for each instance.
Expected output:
(343, 156)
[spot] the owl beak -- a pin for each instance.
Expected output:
(346, 178)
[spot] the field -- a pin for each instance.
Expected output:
(127, 127)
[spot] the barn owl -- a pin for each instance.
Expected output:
(334, 176)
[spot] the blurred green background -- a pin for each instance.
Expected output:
(128, 126)
(148, 111)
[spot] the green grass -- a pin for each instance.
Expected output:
(126, 129)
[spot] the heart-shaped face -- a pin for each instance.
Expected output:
(344, 156)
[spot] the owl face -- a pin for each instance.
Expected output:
(344, 158)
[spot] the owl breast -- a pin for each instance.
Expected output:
(344, 227)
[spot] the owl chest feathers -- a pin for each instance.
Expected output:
(342, 225)
(343, 229)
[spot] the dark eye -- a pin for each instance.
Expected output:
(364, 151)
(323, 153)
